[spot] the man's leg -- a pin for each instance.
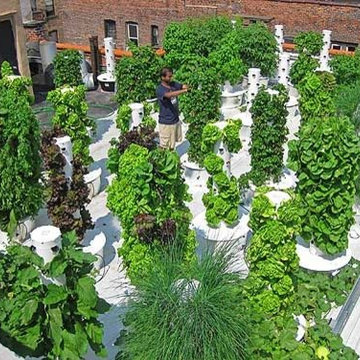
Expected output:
(178, 135)
(165, 135)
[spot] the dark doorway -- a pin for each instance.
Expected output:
(7, 45)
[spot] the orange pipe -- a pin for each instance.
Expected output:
(161, 52)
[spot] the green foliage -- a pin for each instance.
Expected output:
(258, 48)
(67, 66)
(302, 66)
(210, 136)
(200, 36)
(222, 200)
(272, 255)
(123, 118)
(226, 59)
(148, 197)
(213, 164)
(71, 118)
(316, 96)
(309, 42)
(231, 136)
(347, 101)
(20, 162)
(148, 121)
(268, 134)
(138, 75)
(326, 159)
(58, 322)
(346, 69)
(200, 106)
(171, 318)
(6, 69)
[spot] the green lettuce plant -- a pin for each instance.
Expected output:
(57, 322)
(303, 66)
(213, 164)
(137, 76)
(67, 65)
(316, 95)
(148, 196)
(231, 135)
(21, 193)
(71, 118)
(309, 42)
(210, 136)
(148, 121)
(123, 118)
(268, 134)
(326, 159)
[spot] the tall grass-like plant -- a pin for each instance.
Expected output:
(193, 314)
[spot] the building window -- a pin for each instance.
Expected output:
(110, 29)
(154, 35)
(53, 36)
(50, 8)
(351, 48)
(133, 32)
(335, 46)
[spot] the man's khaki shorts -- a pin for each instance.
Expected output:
(170, 135)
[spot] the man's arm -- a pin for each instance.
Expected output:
(171, 94)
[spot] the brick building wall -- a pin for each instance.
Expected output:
(76, 20)
(342, 17)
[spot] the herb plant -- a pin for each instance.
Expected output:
(123, 118)
(268, 134)
(309, 42)
(231, 136)
(71, 117)
(58, 322)
(137, 76)
(326, 159)
(21, 193)
(346, 69)
(201, 299)
(67, 65)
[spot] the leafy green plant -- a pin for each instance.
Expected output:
(65, 198)
(213, 164)
(148, 121)
(346, 69)
(21, 193)
(200, 36)
(347, 101)
(316, 96)
(180, 304)
(200, 106)
(6, 69)
(231, 136)
(302, 66)
(137, 76)
(58, 322)
(210, 136)
(71, 117)
(268, 134)
(309, 42)
(67, 65)
(326, 161)
(222, 200)
(123, 118)
(148, 194)
(258, 48)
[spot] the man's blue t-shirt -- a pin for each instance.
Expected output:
(169, 108)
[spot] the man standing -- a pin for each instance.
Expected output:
(169, 123)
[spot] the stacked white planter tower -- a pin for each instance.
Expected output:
(231, 100)
(324, 54)
(108, 79)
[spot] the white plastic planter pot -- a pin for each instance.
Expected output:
(137, 115)
(301, 321)
(277, 198)
(312, 258)
(107, 82)
(24, 229)
(93, 181)
(65, 146)
(234, 238)
(193, 173)
(293, 91)
(221, 150)
(46, 242)
(96, 248)
(292, 107)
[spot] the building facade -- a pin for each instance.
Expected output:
(12, 37)
(143, 21)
